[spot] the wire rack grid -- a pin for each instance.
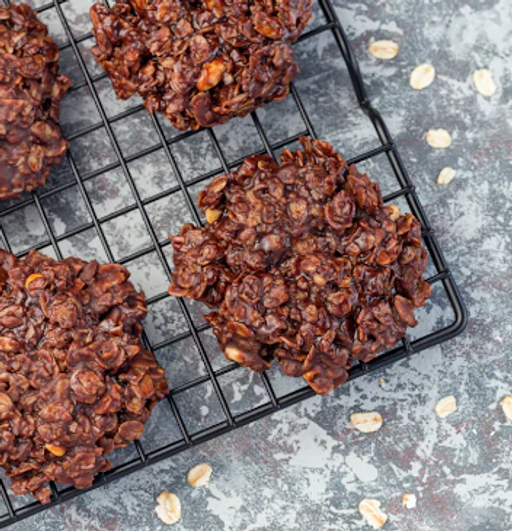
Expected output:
(117, 209)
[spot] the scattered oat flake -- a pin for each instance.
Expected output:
(484, 82)
(366, 422)
(199, 476)
(506, 405)
(439, 138)
(168, 508)
(370, 509)
(446, 406)
(382, 382)
(446, 176)
(422, 76)
(409, 501)
(384, 49)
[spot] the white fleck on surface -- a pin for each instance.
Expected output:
(362, 469)
(409, 501)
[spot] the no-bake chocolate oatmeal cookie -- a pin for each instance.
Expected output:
(31, 89)
(75, 380)
(304, 264)
(200, 62)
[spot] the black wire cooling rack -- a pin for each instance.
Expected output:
(170, 429)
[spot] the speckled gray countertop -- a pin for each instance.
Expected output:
(306, 468)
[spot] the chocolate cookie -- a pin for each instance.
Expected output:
(200, 62)
(304, 264)
(31, 89)
(75, 380)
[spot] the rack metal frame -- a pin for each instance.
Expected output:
(406, 190)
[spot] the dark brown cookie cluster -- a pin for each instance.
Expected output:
(200, 62)
(75, 380)
(31, 89)
(304, 264)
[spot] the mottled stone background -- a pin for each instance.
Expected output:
(306, 468)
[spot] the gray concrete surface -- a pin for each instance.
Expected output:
(305, 468)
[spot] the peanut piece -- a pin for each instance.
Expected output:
(234, 354)
(211, 74)
(270, 27)
(55, 450)
(212, 215)
(395, 212)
